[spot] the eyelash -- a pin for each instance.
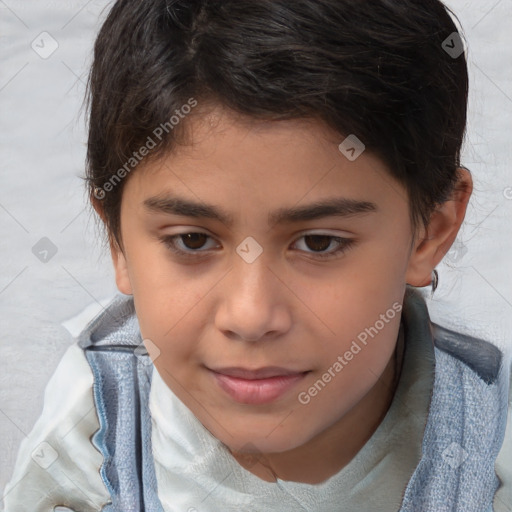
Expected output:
(344, 245)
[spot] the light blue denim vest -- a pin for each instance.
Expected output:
(463, 435)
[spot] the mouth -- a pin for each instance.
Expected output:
(259, 386)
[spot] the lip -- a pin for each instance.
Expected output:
(259, 386)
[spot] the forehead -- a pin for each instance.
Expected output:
(274, 167)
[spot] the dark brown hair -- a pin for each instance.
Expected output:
(378, 69)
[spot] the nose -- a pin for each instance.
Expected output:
(254, 303)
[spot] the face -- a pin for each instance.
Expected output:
(262, 247)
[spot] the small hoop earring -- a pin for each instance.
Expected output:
(435, 281)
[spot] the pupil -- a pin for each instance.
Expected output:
(324, 240)
(194, 240)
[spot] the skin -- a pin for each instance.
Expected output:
(289, 307)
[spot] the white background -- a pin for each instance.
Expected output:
(42, 151)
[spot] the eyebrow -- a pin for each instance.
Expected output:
(331, 207)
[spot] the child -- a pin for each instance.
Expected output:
(276, 178)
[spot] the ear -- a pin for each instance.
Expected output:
(435, 241)
(121, 269)
(118, 257)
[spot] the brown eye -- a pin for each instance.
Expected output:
(189, 245)
(323, 246)
(194, 240)
(318, 242)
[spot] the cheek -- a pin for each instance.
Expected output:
(363, 335)
(356, 299)
(163, 293)
(172, 313)
(362, 311)
(351, 366)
